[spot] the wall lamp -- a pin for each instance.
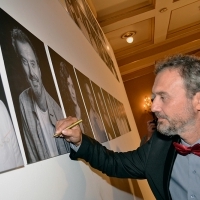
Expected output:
(147, 104)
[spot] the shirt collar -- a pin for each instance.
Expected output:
(187, 145)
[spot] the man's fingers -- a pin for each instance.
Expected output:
(63, 124)
(67, 132)
(69, 129)
(72, 135)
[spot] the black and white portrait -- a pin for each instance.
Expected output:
(103, 111)
(70, 92)
(33, 90)
(90, 102)
(111, 112)
(122, 115)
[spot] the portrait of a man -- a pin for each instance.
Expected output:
(33, 91)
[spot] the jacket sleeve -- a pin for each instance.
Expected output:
(115, 164)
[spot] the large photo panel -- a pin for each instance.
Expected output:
(103, 111)
(33, 91)
(91, 105)
(111, 112)
(120, 119)
(122, 115)
(70, 92)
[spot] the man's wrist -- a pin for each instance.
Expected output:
(75, 147)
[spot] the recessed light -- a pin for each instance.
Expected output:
(129, 39)
(129, 36)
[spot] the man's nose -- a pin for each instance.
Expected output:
(155, 107)
(31, 70)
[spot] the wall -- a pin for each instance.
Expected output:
(60, 178)
(136, 90)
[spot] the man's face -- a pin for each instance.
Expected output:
(175, 112)
(72, 91)
(90, 96)
(30, 66)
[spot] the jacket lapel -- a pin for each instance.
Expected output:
(170, 159)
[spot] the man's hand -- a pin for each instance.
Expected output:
(151, 127)
(72, 135)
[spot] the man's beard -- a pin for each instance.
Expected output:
(37, 92)
(36, 86)
(175, 126)
(172, 128)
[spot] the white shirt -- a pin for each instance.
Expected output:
(48, 130)
(10, 155)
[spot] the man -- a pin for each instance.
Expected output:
(171, 173)
(39, 111)
(10, 155)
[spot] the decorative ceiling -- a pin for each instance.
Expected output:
(162, 27)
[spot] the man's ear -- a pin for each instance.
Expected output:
(197, 100)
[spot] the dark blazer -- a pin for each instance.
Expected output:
(152, 161)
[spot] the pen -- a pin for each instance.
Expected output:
(70, 126)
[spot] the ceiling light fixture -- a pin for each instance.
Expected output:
(129, 36)
(129, 39)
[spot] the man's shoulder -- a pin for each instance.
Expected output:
(159, 137)
(25, 94)
(50, 99)
(53, 106)
(160, 141)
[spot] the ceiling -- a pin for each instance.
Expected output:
(162, 27)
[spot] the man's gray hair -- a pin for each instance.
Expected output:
(188, 67)
(19, 35)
